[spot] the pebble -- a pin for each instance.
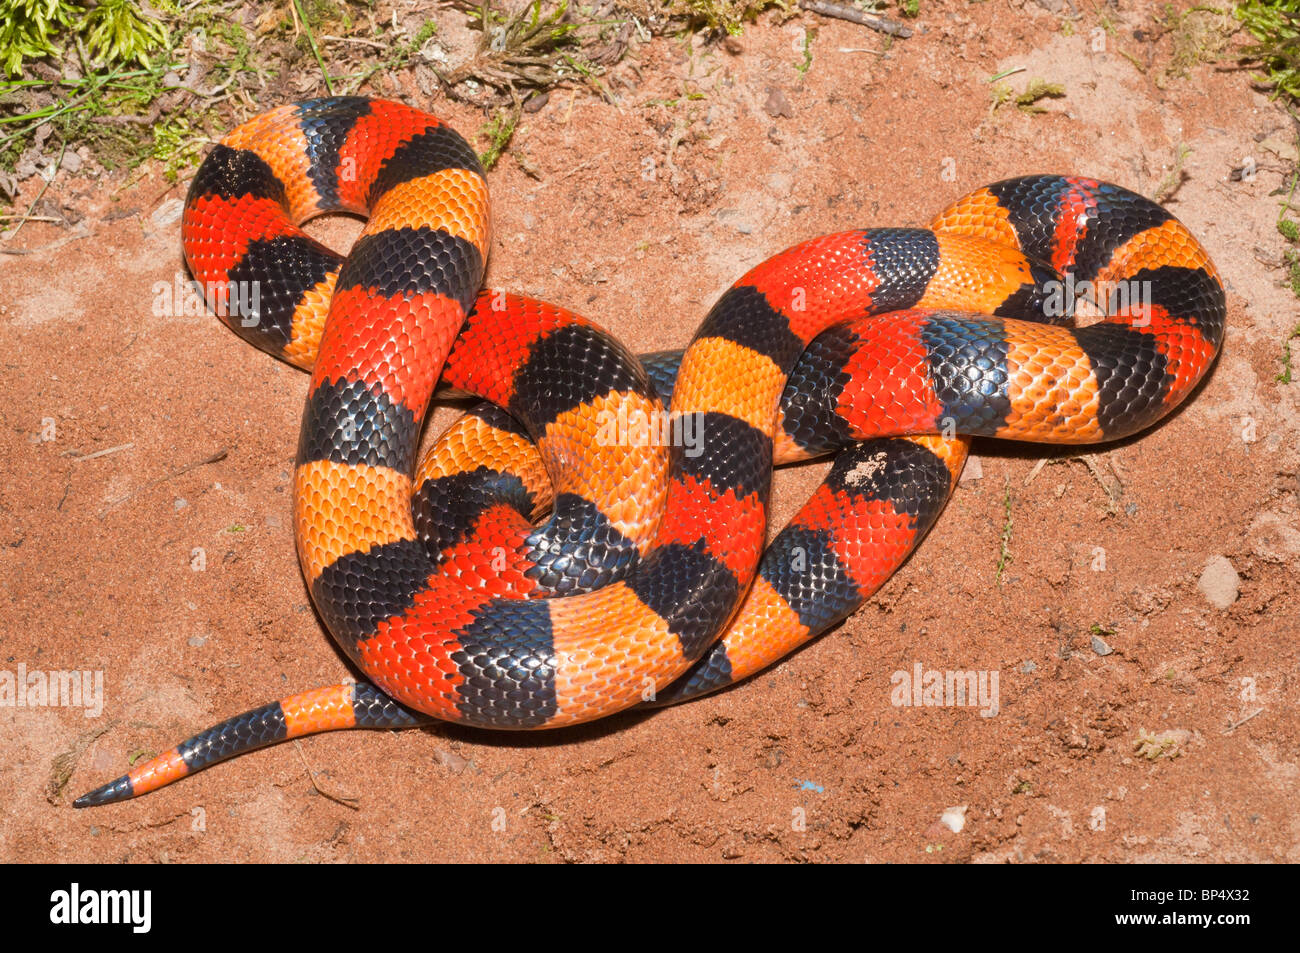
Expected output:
(450, 760)
(1100, 647)
(167, 213)
(1219, 583)
(180, 503)
(954, 818)
(197, 641)
(776, 103)
(1029, 668)
(974, 470)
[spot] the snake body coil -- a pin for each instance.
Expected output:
(648, 582)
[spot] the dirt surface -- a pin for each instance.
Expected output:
(146, 529)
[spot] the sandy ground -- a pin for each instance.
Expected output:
(176, 578)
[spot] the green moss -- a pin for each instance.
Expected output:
(1199, 35)
(1274, 26)
(118, 32)
(113, 32)
(29, 29)
(1028, 100)
(725, 16)
(1285, 376)
(498, 131)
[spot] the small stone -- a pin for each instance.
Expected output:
(1219, 583)
(197, 641)
(1029, 668)
(180, 503)
(1100, 647)
(974, 470)
(954, 818)
(451, 760)
(168, 213)
(776, 104)
(72, 162)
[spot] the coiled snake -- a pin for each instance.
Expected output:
(648, 582)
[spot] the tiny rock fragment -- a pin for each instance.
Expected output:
(954, 818)
(974, 470)
(451, 760)
(1219, 582)
(167, 213)
(776, 104)
(1100, 647)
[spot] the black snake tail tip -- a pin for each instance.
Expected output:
(110, 793)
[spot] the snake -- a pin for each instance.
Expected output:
(590, 538)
